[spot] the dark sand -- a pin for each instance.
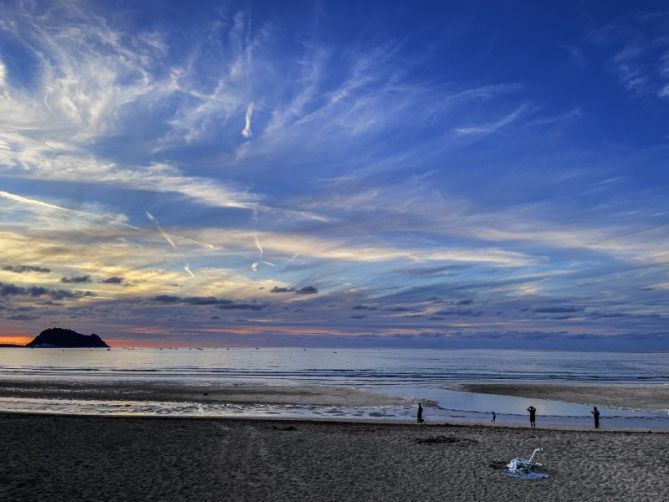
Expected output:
(317, 395)
(633, 396)
(63, 458)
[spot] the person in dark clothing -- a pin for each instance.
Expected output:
(419, 415)
(533, 416)
(494, 417)
(595, 415)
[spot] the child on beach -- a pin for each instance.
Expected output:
(419, 414)
(494, 417)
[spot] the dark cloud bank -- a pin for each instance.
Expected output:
(21, 269)
(221, 303)
(8, 290)
(76, 280)
(307, 290)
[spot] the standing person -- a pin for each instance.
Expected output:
(595, 415)
(494, 417)
(419, 414)
(533, 416)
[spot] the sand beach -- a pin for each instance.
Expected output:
(177, 459)
(244, 393)
(647, 396)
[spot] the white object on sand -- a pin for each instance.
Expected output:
(522, 468)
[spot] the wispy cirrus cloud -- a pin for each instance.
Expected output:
(406, 174)
(639, 51)
(85, 93)
(495, 126)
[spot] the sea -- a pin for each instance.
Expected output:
(419, 375)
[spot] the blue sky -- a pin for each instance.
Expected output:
(406, 174)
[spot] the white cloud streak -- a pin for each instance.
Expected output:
(246, 132)
(493, 126)
(93, 82)
(160, 229)
(258, 245)
(106, 219)
(333, 249)
(39, 203)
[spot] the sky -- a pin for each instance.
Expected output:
(349, 174)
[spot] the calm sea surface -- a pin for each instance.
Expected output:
(420, 374)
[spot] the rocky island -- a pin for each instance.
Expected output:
(66, 338)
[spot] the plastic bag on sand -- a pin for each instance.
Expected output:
(523, 468)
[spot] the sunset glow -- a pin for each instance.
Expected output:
(243, 176)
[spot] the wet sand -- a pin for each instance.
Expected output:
(631, 396)
(316, 395)
(169, 459)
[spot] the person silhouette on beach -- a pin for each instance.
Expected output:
(595, 415)
(533, 416)
(419, 414)
(494, 417)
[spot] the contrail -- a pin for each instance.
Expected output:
(258, 245)
(39, 203)
(101, 218)
(261, 252)
(160, 229)
(169, 239)
(246, 132)
(180, 237)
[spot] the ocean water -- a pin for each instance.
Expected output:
(416, 374)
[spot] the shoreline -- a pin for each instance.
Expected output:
(453, 424)
(337, 403)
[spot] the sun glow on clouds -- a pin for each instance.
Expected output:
(260, 176)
